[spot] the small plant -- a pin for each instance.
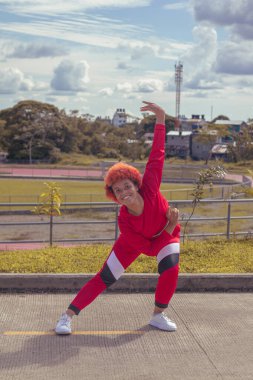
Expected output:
(49, 204)
(205, 177)
(249, 190)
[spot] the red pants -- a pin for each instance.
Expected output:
(166, 251)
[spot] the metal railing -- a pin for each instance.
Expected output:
(185, 206)
(228, 218)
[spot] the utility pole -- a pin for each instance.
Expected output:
(178, 81)
(211, 113)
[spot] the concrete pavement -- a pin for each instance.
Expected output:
(113, 340)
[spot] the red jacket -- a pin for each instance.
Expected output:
(137, 231)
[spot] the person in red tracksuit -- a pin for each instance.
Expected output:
(147, 226)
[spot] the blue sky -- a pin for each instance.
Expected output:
(96, 56)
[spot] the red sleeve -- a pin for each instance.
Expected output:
(153, 173)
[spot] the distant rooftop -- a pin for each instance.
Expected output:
(177, 133)
(220, 148)
(229, 122)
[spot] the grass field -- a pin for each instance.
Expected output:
(214, 256)
(28, 190)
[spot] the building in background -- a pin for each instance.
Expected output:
(148, 138)
(3, 156)
(178, 144)
(121, 117)
(202, 144)
(219, 152)
(195, 123)
(105, 119)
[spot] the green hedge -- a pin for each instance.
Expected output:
(212, 256)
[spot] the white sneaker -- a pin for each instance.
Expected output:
(162, 322)
(63, 326)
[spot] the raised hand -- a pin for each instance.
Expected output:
(172, 215)
(157, 110)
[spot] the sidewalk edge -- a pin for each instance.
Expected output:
(41, 282)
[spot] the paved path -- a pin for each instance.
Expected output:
(240, 178)
(113, 341)
(77, 173)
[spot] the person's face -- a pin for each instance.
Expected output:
(125, 191)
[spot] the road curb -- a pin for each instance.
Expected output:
(62, 283)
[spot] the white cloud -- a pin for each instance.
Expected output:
(131, 96)
(198, 94)
(204, 47)
(96, 30)
(238, 14)
(139, 52)
(139, 49)
(160, 48)
(13, 80)
(142, 85)
(91, 30)
(51, 99)
(123, 66)
(200, 58)
(35, 50)
(225, 12)
(70, 31)
(70, 76)
(235, 59)
(149, 85)
(62, 6)
(231, 57)
(200, 82)
(244, 31)
(245, 83)
(169, 86)
(176, 6)
(124, 87)
(171, 50)
(107, 91)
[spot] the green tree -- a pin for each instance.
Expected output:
(148, 123)
(35, 130)
(49, 204)
(242, 149)
(220, 117)
(2, 124)
(205, 177)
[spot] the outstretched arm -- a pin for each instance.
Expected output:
(154, 168)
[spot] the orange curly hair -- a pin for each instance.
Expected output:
(118, 172)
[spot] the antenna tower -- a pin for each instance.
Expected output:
(178, 81)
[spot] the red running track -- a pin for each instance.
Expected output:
(59, 173)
